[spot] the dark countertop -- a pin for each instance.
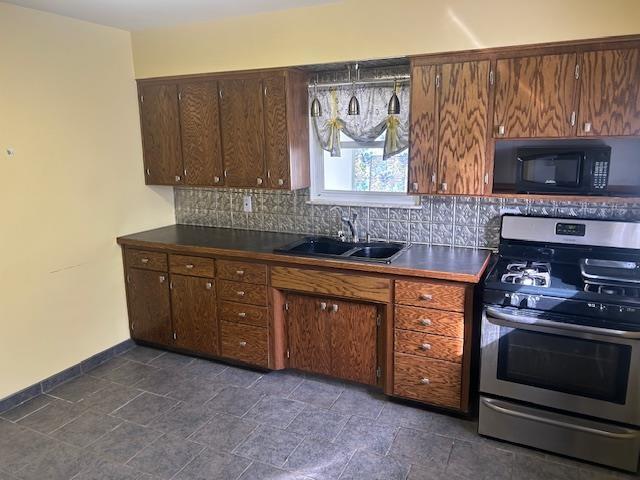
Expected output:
(446, 263)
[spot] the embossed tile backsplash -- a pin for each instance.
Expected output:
(442, 220)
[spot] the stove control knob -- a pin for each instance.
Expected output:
(532, 301)
(515, 300)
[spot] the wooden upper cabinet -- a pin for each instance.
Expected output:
(161, 134)
(423, 137)
(610, 93)
(534, 96)
(149, 306)
(275, 132)
(463, 104)
(243, 132)
(200, 124)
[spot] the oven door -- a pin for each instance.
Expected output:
(575, 368)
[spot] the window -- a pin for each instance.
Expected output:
(360, 174)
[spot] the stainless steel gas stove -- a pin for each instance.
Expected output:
(560, 347)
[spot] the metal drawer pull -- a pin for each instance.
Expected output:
(426, 296)
(209, 285)
(239, 272)
(323, 305)
(242, 314)
(425, 346)
(425, 322)
(243, 344)
(144, 260)
(240, 293)
(425, 381)
(189, 265)
(162, 278)
(334, 307)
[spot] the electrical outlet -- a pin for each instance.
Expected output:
(246, 204)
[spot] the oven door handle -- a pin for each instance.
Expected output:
(628, 434)
(510, 320)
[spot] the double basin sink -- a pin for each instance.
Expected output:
(382, 252)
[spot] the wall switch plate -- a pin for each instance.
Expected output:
(246, 204)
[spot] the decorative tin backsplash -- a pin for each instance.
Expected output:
(442, 220)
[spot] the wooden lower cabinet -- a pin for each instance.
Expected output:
(149, 306)
(193, 305)
(333, 337)
(246, 343)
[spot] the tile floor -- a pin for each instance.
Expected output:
(149, 415)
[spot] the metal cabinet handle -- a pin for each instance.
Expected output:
(426, 297)
(209, 285)
(334, 308)
(189, 265)
(239, 272)
(240, 293)
(162, 278)
(425, 381)
(425, 346)
(425, 322)
(587, 127)
(414, 186)
(148, 172)
(242, 314)
(572, 120)
(144, 260)
(443, 186)
(243, 344)
(259, 181)
(501, 130)
(216, 179)
(178, 178)
(323, 305)
(280, 181)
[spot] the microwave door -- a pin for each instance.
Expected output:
(560, 170)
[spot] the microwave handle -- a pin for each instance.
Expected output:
(516, 321)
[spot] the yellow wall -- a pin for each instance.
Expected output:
(68, 107)
(364, 29)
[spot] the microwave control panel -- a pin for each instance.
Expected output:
(600, 174)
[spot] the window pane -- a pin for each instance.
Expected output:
(364, 170)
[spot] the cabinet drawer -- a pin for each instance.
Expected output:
(428, 380)
(242, 272)
(428, 320)
(245, 343)
(195, 266)
(426, 345)
(242, 292)
(247, 314)
(442, 296)
(146, 259)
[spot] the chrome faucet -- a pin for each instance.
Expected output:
(351, 223)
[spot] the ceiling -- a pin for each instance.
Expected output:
(140, 14)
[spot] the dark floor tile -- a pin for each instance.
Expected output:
(269, 445)
(110, 398)
(108, 367)
(224, 432)
(457, 428)
(276, 411)
(262, 471)
(317, 393)
(171, 361)
(166, 456)
(51, 417)
(122, 443)
(369, 466)
(195, 390)
(20, 446)
(234, 400)
(281, 383)
(527, 467)
(408, 416)
(20, 397)
(86, 429)
(142, 354)
(365, 433)
(24, 409)
(212, 465)
(359, 401)
(419, 447)
(159, 382)
(203, 369)
(78, 388)
(130, 373)
(59, 462)
(182, 420)
(318, 422)
(319, 459)
(104, 470)
(431, 472)
(239, 377)
(6, 476)
(478, 461)
(144, 408)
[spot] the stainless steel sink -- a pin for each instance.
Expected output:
(382, 252)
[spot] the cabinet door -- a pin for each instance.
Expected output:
(200, 125)
(309, 336)
(149, 306)
(462, 137)
(195, 323)
(423, 146)
(161, 134)
(353, 341)
(535, 96)
(610, 93)
(275, 131)
(242, 132)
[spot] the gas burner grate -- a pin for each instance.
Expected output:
(534, 274)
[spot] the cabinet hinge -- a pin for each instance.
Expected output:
(491, 77)
(378, 372)
(438, 81)
(286, 307)
(179, 96)
(288, 353)
(141, 98)
(577, 72)
(133, 325)
(171, 287)
(175, 337)
(379, 320)
(128, 278)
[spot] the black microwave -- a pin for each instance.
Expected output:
(578, 171)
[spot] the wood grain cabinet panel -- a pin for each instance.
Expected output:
(423, 136)
(432, 346)
(149, 306)
(462, 127)
(160, 121)
(242, 272)
(243, 313)
(245, 343)
(243, 131)
(610, 93)
(146, 259)
(440, 295)
(200, 133)
(429, 320)
(534, 96)
(195, 323)
(309, 335)
(242, 292)
(432, 381)
(193, 266)
(275, 132)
